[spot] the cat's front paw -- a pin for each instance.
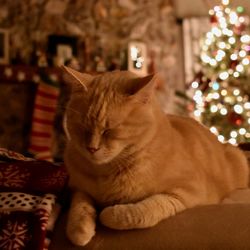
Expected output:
(80, 232)
(120, 217)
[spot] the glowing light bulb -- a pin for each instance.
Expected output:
(223, 92)
(224, 75)
(210, 35)
(195, 85)
(232, 141)
(233, 17)
(216, 31)
(215, 86)
(245, 61)
(239, 99)
(236, 92)
(236, 74)
(221, 138)
(197, 113)
(223, 111)
(231, 40)
(225, 2)
(238, 109)
(233, 134)
(239, 68)
(227, 32)
(233, 57)
(222, 45)
(214, 130)
(247, 105)
(214, 109)
(242, 131)
(242, 53)
(245, 39)
(213, 62)
(216, 96)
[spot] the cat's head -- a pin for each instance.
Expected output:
(109, 115)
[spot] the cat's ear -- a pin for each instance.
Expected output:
(77, 79)
(143, 88)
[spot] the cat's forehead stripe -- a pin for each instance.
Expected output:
(101, 99)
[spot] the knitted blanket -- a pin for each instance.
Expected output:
(30, 195)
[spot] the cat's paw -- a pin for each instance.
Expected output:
(80, 232)
(120, 217)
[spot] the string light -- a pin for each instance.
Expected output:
(225, 55)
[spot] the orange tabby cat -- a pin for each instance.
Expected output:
(125, 156)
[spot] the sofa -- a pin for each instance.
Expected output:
(221, 227)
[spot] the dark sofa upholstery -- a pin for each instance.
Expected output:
(221, 227)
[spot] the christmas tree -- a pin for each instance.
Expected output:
(221, 89)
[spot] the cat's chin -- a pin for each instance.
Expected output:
(99, 161)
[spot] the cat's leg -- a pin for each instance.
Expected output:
(238, 196)
(143, 214)
(81, 220)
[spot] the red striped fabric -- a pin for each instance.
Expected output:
(47, 95)
(40, 134)
(45, 108)
(36, 148)
(42, 121)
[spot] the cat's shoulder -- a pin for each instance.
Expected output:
(183, 119)
(184, 123)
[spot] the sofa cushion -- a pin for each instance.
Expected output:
(212, 227)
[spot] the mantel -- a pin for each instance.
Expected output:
(28, 74)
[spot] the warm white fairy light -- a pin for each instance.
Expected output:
(233, 134)
(197, 113)
(231, 40)
(247, 105)
(239, 98)
(242, 53)
(245, 61)
(224, 75)
(195, 85)
(221, 138)
(242, 131)
(236, 74)
(226, 59)
(245, 39)
(233, 57)
(225, 2)
(216, 31)
(213, 108)
(238, 109)
(213, 62)
(214, 130)
(236, 92)
(232, 141)
(216, 96)
(223, 111)
(233, 17)
(240, 68)
(223, 92)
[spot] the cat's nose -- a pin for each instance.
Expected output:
(92, 150)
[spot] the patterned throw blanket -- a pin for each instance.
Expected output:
(30, 195)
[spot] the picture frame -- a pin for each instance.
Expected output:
(62, 47)
(4, 46)
(137, 58)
